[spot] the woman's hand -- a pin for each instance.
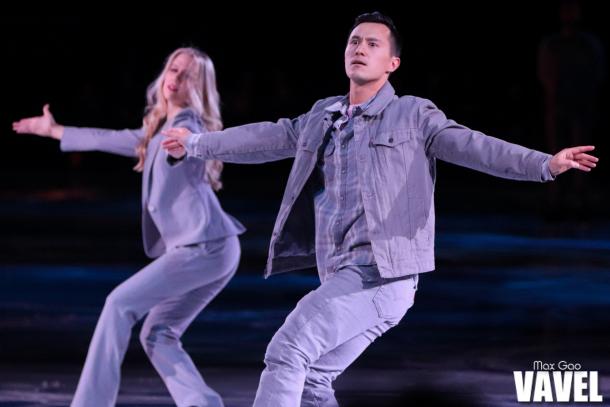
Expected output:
(44, 125)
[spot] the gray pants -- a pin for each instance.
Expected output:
(329, 328)
(173, 289)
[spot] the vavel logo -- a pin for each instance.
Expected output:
(557, 382)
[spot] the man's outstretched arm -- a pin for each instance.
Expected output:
(452, 142)
(249, 144)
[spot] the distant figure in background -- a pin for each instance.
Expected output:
(183, 225)
(571, 68)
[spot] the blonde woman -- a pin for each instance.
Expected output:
(184, 227)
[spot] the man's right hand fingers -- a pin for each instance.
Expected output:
(171, 144)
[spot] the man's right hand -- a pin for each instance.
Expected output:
(175, 142)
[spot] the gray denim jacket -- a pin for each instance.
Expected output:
(398, 141)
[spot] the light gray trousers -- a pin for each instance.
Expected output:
(329, 328)
(173, 289)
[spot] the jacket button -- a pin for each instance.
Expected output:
(391, 140)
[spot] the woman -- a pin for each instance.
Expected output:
(195, 243)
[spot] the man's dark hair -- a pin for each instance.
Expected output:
(377, 17)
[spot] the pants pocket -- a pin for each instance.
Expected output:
(393, 300)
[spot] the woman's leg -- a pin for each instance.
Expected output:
(172, 275)
(168, 320)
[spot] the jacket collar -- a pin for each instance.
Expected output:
(381, 100)
(375, 106)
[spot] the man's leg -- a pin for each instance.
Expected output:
(341, 309)
(318, 390)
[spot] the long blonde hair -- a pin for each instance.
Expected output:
(203, 99)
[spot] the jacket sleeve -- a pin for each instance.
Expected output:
(457, 144)
(121, 142)
(249, 144)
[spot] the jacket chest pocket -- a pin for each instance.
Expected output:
(392, 138)
(392, 152)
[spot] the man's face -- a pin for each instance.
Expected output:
(368, 54)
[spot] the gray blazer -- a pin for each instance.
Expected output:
(178, 207)
(398, 141)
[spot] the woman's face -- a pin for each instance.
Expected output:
(175, 82)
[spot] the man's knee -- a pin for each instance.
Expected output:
(285, 352)
(147, 339)
(318, 390)
(319, 380)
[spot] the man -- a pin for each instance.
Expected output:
(359, 205)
